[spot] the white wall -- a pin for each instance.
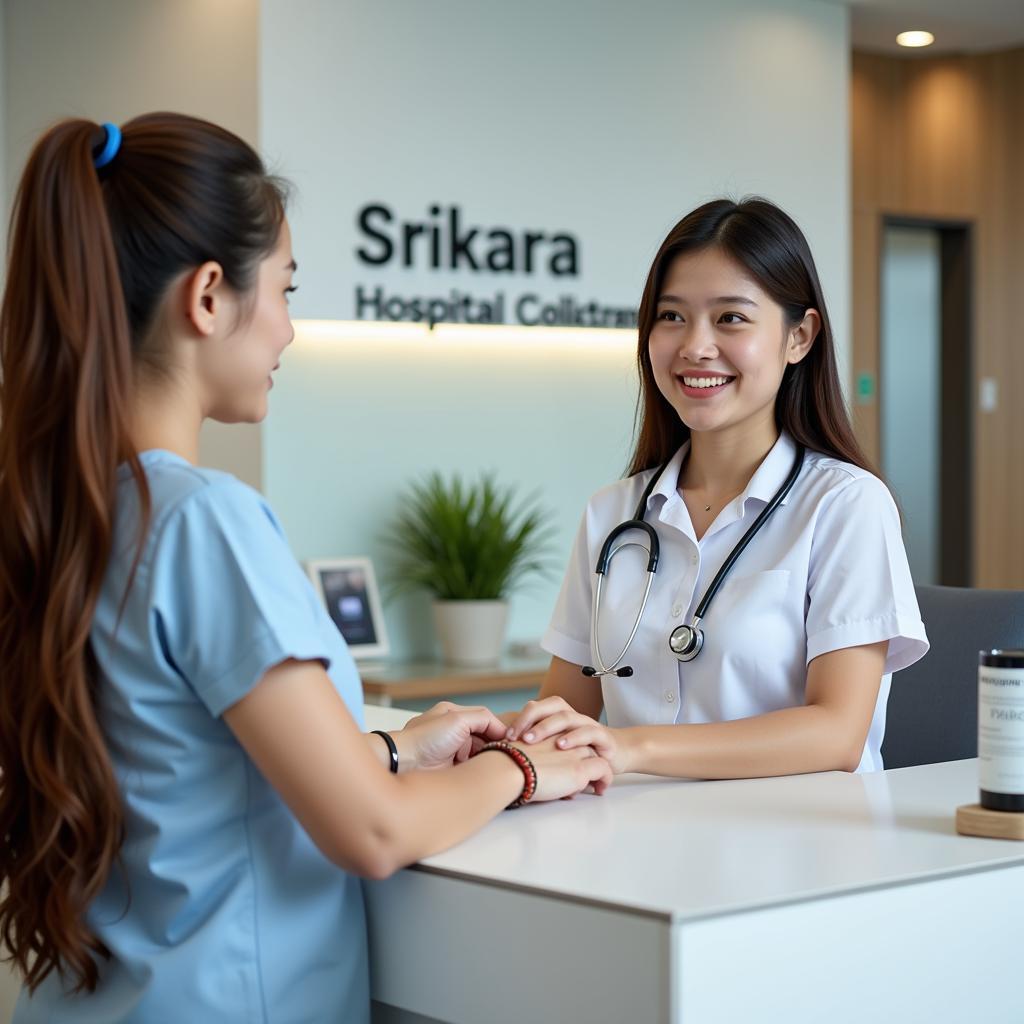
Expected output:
(109, 60)
(606, 120)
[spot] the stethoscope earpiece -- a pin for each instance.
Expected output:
(589, 671)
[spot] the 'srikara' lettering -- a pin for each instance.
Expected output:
(443, 241)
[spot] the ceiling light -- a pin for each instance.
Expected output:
(915, 39)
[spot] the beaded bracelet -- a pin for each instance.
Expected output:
(525, 764)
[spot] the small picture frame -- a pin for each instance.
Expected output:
(348, 589)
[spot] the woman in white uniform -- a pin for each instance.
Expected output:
(787, 668)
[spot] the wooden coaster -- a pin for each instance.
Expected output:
(975, 820)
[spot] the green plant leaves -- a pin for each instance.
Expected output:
(463, 541)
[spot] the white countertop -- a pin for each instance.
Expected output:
(686, 850)
(377, 717)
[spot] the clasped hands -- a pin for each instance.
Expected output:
(450, 733)
(553, 719)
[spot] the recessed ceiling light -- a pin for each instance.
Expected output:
(915, 39)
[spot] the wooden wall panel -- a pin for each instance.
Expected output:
(943, 138)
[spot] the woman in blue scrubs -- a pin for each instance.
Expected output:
(187, 794)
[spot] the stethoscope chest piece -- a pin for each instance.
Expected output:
(686, 642)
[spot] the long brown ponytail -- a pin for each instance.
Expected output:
(91, 256)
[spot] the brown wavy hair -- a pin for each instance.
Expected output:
(769, 245)
(91, 256)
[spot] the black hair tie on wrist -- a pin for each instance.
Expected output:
(392, 748)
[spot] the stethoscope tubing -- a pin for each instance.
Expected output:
(777, 499)
(596, 633)
(636, 523)
(654, 554)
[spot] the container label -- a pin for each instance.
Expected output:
(1001, 729)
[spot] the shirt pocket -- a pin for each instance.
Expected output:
(747, 619)
(770, 586)
(754, 629)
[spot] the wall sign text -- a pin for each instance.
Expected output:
(445, 240)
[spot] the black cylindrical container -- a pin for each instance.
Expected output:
(1001, 729)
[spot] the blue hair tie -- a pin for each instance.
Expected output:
(110, 147)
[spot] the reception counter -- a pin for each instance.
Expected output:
(831, 897)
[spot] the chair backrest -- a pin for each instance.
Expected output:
(933, 705)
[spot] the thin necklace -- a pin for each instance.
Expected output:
(707, 508)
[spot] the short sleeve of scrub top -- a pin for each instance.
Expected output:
(229, 597)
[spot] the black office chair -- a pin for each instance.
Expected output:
(933, 705)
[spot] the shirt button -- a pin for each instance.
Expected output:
(694, 559)
(670, 696)
(677, 610)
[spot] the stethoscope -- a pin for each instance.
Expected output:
(685, 641)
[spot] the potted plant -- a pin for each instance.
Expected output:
(468, 545)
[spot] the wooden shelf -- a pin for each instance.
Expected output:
(424, 680)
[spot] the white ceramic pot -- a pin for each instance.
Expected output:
(471, 632)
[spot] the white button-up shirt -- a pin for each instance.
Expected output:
(828, 570)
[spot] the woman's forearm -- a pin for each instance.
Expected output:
(435, 810)
(791, 741)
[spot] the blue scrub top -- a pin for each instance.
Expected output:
(221, 909)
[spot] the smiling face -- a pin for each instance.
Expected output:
(237, 369)
(720, 344)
